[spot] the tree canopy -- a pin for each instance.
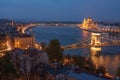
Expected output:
(6, 66)
(54, 51)
(118, 72)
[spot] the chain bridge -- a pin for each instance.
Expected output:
(95, 40)
(28, 26)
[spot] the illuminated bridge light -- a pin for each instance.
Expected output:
(95, 39)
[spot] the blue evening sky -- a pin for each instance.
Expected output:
(60, 10)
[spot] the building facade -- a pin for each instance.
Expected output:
(24, 41)
(89, 23)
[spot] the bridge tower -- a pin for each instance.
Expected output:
(95, 39)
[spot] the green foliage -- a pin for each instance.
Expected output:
(6, 66)
(118, 72)
(54, 51)
(101, 69)
(9, 69)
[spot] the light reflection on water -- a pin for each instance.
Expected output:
(109, 56)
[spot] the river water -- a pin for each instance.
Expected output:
(108, 56)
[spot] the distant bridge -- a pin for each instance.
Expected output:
(25, 27)
(28, 26)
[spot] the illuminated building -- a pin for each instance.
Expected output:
(88, 24)
(24, 41)
(3, 42)
(1, 54)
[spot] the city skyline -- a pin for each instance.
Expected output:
(60, 10)
(59, 40)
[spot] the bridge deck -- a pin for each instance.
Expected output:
(88, 46)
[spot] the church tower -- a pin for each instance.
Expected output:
(12, 23)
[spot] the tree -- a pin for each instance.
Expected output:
(101, 69)
(6, 67)
(118, 72)
(54, 51)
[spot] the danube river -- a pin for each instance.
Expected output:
(108, 56)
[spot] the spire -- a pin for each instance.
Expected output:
(12, 23)
(84, 20)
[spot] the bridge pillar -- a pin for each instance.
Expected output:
(95, 39)
(95, 50)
